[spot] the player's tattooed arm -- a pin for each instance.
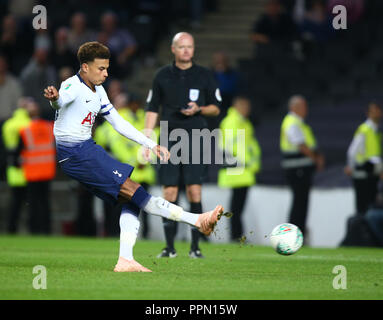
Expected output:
(61, 98)
(51, 93)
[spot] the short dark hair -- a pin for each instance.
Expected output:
(92, 50)
(240, 98)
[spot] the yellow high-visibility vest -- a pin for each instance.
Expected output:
(372, 145)
(285, 144)
(11, 137)
(250, 159)
(293, 157)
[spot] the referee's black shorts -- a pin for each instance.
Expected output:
(188, 171)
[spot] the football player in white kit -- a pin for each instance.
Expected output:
(77, 104)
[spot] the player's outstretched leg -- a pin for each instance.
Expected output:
(204, 222)
(136, 194)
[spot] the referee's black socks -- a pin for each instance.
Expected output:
(170, 228)
(195, 207)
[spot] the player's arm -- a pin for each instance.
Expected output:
(210, 110)
(58, 99)
(357, 145)
(315, 156)
(151, 119)
(124, 128)
(295, 135)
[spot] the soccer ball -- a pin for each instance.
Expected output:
(286, 238)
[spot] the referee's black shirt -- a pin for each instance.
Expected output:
(173, 88)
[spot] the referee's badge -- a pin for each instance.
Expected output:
(193, 94)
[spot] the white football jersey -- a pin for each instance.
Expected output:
(77, 108)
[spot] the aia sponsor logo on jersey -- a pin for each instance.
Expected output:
(89, 119)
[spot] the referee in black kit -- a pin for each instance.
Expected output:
(186, 93)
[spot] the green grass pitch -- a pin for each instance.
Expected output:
(82, 268)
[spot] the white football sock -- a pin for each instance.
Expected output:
(160, 207)
(129, 225)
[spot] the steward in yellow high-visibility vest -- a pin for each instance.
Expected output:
(299, 158)
(364, 162)
(245, 148)
(38, 160)
(15, 175)
(11, 137)
(290, 148)
(249, 161)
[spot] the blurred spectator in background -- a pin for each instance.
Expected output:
(248, 152)
(15, 174)
(374, 219)
(42, 40)
(227, 79)
(366, 230)
(79, 33)
(61, 55)
(121, 44)
(16, 47)
(189, 14)
(196, 13)
(300, 155)
(114, 89)
(64, 73)
(38, 160)
(364, 163)
(10, 90)
(36, 76)
(274, 32)
(316, 25)
(22, 9)
(147, 26)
